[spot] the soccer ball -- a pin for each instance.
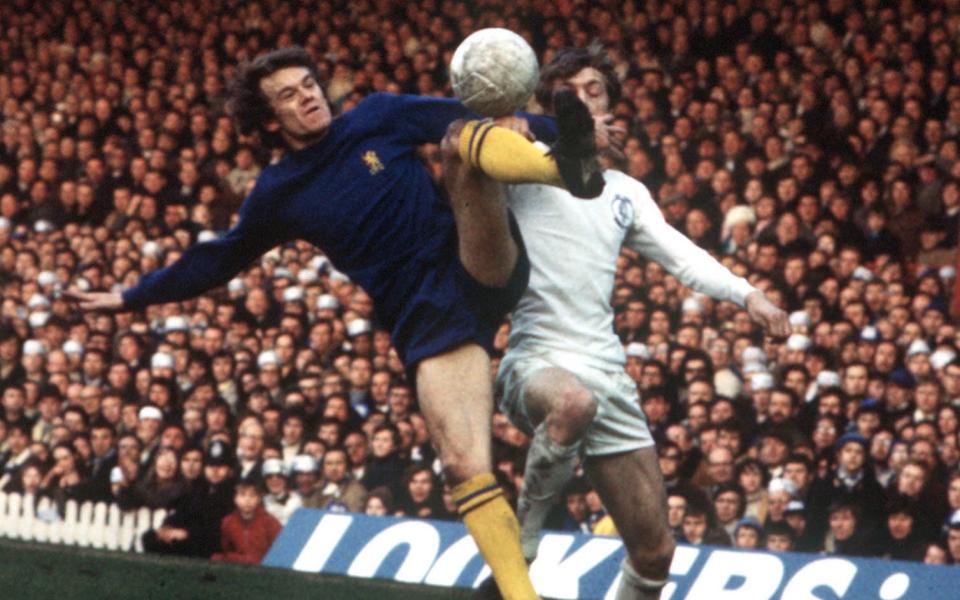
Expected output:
(494, 72)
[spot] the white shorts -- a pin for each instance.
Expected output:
(619, 425)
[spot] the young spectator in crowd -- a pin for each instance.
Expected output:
(379, 502)
(248, 532)
(748, 534)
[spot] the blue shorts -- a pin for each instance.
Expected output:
(448, 307)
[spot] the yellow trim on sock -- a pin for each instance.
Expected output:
(479, 499)
(471, 486)
(505, 155)
(495, 529)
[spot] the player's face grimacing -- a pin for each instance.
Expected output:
(302, 112)
(590, 88)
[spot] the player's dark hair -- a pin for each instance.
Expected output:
(245, 99)
(570, 61)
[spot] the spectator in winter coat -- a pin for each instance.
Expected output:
(248, 532)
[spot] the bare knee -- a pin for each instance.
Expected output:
(571, 415)
(450, 144)
(459, 465)
(653, 560)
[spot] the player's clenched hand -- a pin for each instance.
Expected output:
(111, 301)
(518, 124)
(767, 314)
(608, 135)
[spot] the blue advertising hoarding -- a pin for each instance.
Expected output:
(579, 566)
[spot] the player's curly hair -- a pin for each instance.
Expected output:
(245, 99)
(567, 63)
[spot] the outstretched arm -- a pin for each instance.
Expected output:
(656, 239)
(424, 119)
(200, 268)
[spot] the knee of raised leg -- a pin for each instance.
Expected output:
(577, 407)
(450, 145)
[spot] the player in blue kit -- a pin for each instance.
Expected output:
(441, 275)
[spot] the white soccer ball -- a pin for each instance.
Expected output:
(494, 72)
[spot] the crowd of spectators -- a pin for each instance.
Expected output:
(811, 145)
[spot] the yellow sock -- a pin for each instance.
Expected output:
(496, 531)
(505, 155)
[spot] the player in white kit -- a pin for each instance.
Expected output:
(563, 377)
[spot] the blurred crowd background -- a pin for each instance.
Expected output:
(812, 146)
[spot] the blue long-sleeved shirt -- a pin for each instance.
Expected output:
(361, 194)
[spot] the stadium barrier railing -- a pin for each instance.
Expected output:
(87, 525)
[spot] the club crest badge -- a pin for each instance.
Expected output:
(623, 211)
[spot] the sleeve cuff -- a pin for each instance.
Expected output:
(741, 290)
(131, 300)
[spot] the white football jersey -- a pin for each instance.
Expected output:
(573, 246)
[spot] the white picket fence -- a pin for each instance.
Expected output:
(86, 525)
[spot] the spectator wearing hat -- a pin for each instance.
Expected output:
(305, 472)
(360, 335)
(780, 492)
(747, 534)
(279, 501)
(804, 539)
(269, 374)
(953, 537)
(917, 360)
(636, 353)
(867, 417)
(250, 443)
(149, 423)
(34, 359)
(162, 365)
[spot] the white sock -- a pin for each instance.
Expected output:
(634, 586)
(549, 467)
